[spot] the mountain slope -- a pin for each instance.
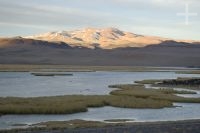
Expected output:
(109, 47)
(147, 56)
(107, 38)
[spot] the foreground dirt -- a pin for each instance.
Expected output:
(191, 126)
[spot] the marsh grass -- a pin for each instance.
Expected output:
(187, 83)
(139, 91)
(61, 126)
(51, 74)
(149, 81)
(172, 91)
(74, 104)
(71, 124)
(126, 96)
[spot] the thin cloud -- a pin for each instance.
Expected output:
(41, 16)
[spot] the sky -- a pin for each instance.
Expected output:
(147, 17)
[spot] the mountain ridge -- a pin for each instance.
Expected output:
(104, 38)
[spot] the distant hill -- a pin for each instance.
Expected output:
(99, 47)
(106, 38)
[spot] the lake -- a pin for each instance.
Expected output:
(23, 84)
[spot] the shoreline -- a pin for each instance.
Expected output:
(179, 126)
(86, 68)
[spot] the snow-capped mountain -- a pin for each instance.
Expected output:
(106, 38)
(89, 47)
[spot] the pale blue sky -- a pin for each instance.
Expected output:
(148, 17)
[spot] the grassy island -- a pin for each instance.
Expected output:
(188, 83)
(51, 74)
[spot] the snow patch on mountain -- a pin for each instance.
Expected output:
(105, 38)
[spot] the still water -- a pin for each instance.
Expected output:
(23, 84)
